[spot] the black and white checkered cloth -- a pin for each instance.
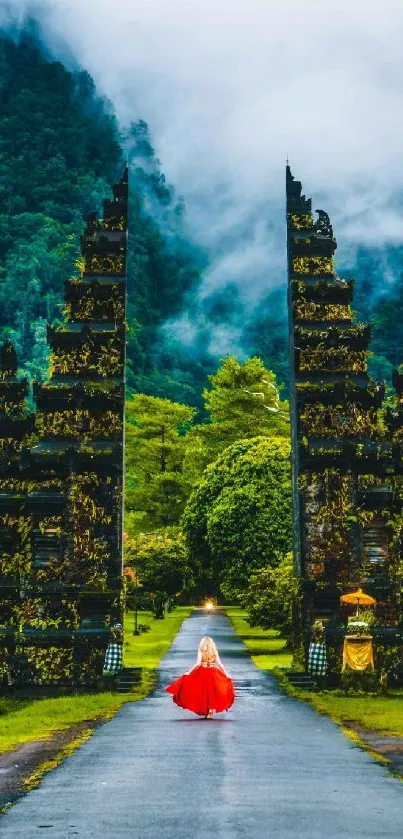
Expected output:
(317, 659)
(113, 659)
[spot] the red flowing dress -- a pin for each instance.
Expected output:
(206, 688)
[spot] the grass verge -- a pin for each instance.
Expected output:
(383, 714)
(147, 649)
(371, 722)
(59, 726)
(266, 646)
(33, 780)
(24, 721)
(376, 713)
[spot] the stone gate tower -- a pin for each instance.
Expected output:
(61, 477)
(347, 451)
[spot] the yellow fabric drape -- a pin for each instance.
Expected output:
(358, 652)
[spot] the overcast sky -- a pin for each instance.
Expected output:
(230, 88)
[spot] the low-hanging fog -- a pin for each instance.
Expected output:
(230, 89)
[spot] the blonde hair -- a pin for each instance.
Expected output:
(208, 646)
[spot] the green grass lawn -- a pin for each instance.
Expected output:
(22, 721)
(147, 649)
(381, 713)
(266, 646)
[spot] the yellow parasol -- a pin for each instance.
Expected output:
(359, 598)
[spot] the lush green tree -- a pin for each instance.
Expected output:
(246, 397)
(378, 298)
(156, 484)
(243, 401)
(386, 342)
(239, 517)
(160, 560)
(271, 596)
(33, 273)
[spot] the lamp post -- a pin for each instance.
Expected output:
(135, 630)
(132, 573)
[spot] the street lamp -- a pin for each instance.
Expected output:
(135, 630)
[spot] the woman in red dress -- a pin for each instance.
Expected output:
(207, 688)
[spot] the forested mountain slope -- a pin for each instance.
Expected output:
(60, 150)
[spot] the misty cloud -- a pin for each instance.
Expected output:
(230, 89)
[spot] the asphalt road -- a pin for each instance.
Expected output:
(269, 768)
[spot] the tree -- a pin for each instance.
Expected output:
(271, 597)
(157, 486)
(243, 401)
(386, 333)
(246, 397)
(160, 560)
(239, 517)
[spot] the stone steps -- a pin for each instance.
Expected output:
(127, 679)
(301, 681)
